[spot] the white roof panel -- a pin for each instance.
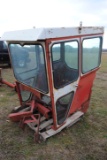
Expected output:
(45, 33)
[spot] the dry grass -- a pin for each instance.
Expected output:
(86, 140)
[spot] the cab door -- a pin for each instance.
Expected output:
(65, 66)
(90, 63)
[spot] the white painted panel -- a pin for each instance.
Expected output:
(45, 33)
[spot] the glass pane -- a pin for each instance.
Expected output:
(25, 95)
(65, 70)
(29, 65)
(71, 54)
(91, 54)
(62, 107)
(56, 52)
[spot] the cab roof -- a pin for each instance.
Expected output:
(36, 34)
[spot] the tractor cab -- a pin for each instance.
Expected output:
(54, 70)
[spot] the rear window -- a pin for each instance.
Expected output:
(91, 54)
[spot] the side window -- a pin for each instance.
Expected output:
(62, 106)
(56, 55)
(65, 63)
(91, 54)
(71, 54)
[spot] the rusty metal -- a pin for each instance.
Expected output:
(19, 115)
(47, 112)
(2, 81)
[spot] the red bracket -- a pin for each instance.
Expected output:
(2, 81)
(30, 119)
(18, 116)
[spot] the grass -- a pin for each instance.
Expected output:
(86, 140)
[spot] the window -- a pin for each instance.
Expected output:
(29, 65)
(71, 54)
(62, 107)
(25, 95)
(65, 66)
(56, 52)
(91, 54)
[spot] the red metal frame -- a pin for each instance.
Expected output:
(82, 96)
(49, 69)
(33, 105)
(80, 100)
(83, 93)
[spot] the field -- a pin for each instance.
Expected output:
(86, 140)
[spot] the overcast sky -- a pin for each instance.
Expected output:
(25, 14)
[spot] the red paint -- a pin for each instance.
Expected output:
(43, 110)
(81, 97)
(18, 116)
(2, 81)
(50, 79)
(8, 83)
(83, 92)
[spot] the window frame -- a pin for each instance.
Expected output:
(45, 64)
(68, 106)
(53, 62)
(99, 56)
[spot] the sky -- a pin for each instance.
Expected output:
(26, 14)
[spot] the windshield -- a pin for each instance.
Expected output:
(29, 65)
